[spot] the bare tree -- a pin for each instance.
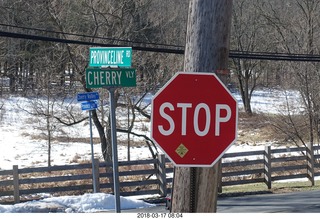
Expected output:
(297, 33)
(30, 65)
(113, 22)
(248, 35)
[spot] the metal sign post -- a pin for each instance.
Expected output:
(105, 72)
(114, 149)
(92, 156)
(88, 102)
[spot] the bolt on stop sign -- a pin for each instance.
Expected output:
(194, 119)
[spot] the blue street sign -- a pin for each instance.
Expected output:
(87, 96)
(89, 105)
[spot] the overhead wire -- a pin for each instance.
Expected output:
(88, 36)
(153, 47)
(79, 42)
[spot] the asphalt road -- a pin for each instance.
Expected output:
(295, 202)
(303, 202)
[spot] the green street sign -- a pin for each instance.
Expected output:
(117, 77)
(110, 57)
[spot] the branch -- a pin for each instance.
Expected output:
(135, 134)
(142, 112)
(70, 124)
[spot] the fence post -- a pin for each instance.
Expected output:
(97, 174)
(267, 166)
(220, 177)
(310, 163)
(16, 191)
(161, 175)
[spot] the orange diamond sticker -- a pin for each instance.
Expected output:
(182, 150)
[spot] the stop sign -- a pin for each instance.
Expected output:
(194, 119)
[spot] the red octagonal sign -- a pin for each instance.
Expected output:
(194, 119)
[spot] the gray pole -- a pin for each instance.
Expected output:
(128, 133)
(92, 156)
(114, 149)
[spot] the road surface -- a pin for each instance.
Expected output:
(302, 202)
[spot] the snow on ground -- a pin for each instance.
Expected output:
(20, 146)
(87, 203)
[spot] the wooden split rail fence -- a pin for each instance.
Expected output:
(155, 176)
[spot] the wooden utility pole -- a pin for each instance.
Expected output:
(207, 50)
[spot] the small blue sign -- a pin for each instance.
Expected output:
(81, 97)
(89, 105)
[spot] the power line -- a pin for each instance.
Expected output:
(67, 41)
(275, 56)
(232, 54)
(88, 36)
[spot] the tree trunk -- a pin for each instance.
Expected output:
(207, 50)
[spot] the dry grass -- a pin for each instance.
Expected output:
(63, 139)
(259, 129)
(255, 129)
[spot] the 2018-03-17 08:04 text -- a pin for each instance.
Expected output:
(159, 215)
